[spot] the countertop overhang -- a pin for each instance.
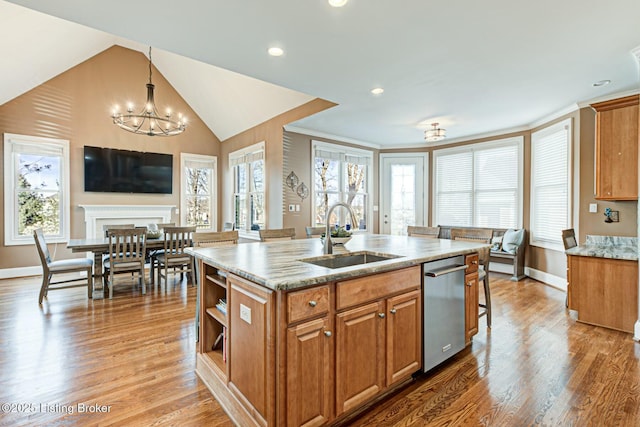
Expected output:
(277, 266)
(611, 247)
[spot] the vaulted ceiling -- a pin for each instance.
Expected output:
(475, 67)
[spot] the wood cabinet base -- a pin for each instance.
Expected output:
(604, 291)
(205, 370)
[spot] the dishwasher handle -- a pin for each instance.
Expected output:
(445, 270)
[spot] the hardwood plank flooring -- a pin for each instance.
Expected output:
(136, 355)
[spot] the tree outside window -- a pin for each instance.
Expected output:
(198, 191)
(38, 194)
(199, 197)
(36, 188)
(249, 188)
(340, 177)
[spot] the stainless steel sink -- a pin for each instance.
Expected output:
(348, 260)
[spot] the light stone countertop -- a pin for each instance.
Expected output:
(614, 247)
(277, 266)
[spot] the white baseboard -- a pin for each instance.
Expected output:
(501, 267)
(549, 279)
(10, 273)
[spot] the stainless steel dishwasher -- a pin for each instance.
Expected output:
(444, 325)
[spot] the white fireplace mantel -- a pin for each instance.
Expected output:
(96, 216)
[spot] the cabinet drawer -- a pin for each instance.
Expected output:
(307, 303)
(472, 263)
(357, 291)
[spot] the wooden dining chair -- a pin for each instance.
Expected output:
(480, 235)
(152, 255)
(215, 238)
(127, 249)
(314, 231)
(274, 234)
(569, 241)
(107, 227)
(425, 232)
(50, 267)
(569, 238)
(210, 239)
(176, 240)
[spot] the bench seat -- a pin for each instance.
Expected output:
(516, 259)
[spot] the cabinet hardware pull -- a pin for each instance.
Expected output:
(327, 333)
(312, 303)
(469, 284)
(474, 261)
(381, 315)
(392, 311)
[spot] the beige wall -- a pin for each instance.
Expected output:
(76, 106)
(271, 132)
(297, 158)
(545, 260)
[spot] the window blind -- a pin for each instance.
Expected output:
(550, 184)
(480, 185)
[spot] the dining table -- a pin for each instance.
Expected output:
(99, 247)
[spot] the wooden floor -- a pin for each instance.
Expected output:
(136, 355)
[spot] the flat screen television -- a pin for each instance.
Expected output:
(121, 171)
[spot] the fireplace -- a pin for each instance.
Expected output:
(96, 216)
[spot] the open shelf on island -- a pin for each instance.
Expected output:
(217, 314)
(217, 279)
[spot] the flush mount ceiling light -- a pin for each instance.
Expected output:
(377, 91)
(148, 121)
(602, 83)
(337, 3)
(435, 133)
(275, 51)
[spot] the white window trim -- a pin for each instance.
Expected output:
(260, 146)
(184, 158)
(519, 140)
(343, 149)
(10, 203)
(568, 124)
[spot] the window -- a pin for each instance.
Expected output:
(36, 192)
(249, 188)
(479, 185)
(550, 185)
(341, 174)
(198, 195)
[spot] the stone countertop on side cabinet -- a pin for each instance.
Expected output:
(277, 266)
(613, 247)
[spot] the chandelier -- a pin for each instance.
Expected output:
(148, 121)
(435, 134)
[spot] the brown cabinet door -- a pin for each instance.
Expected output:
(617, 149)
(250, 357)
(471, 297)
(309, 388)
(360, 355)
(404, 336)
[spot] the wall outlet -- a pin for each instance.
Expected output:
(297, 208)
(292, 208)
(593, 207)
(245, 313)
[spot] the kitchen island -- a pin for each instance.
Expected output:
(289, 336)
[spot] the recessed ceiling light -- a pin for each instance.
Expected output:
(377, 91)
(337, 3)
(602, 83)
(275, 51)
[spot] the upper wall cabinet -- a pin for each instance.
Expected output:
(617, 149)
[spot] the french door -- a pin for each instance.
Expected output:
(403, 191)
